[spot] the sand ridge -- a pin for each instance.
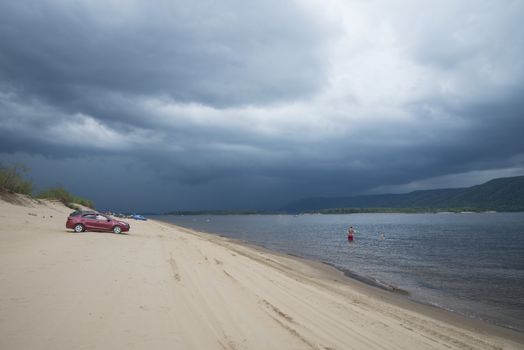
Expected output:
(161, 286)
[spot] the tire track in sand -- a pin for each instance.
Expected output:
(174, 268)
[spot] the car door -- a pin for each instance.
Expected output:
(103, 223)
(89, 221)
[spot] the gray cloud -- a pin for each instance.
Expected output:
(215, 53)
(233, 104)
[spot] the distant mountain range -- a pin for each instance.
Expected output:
(503, 194)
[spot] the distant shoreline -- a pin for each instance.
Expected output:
(335, 211)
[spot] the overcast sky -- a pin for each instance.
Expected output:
(175, 104)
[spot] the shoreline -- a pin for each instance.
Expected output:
(385, 292)
(470, 314)
(162, 286)
(374, 283)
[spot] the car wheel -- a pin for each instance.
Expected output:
(117, 229)
(79, 228)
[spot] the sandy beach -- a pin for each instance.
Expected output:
(165, 287)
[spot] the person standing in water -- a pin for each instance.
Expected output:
(351, 234)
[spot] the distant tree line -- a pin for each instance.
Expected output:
(395, 210)
(13, 180)
(224, 212)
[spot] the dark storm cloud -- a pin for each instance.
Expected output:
(215, 53)
(231, 104)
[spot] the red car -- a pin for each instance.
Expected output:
(92, 221)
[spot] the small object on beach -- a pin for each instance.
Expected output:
(32, 214)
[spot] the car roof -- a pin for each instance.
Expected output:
(82, 212)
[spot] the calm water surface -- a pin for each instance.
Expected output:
(472, 264)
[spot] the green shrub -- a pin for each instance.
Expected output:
(61, 194)
(12, 179)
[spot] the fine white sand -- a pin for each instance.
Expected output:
(163, 287)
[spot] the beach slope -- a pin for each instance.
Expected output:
(164, 287)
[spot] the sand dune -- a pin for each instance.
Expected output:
(164, 287)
